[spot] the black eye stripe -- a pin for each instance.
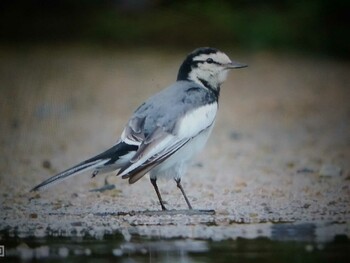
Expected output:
(196, 62)
(211, 61)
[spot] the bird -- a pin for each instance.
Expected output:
(166, 131)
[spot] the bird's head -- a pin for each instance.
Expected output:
(207, 67)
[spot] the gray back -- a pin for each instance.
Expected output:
(167, 107)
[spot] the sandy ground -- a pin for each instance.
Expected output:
(280, 150)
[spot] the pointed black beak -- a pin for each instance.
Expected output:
(235, 64)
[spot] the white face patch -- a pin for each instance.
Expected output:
(214, 73)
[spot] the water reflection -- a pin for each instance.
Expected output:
(304, 242)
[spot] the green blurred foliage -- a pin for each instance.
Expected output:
(309, 26)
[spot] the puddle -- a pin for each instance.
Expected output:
(284, 242)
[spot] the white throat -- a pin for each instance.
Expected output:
(208, 78)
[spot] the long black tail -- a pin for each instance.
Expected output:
(105, 159)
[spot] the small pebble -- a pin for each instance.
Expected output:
(306, 205)
(235, 136)
(46, 164)
(15, 123)
(78, 223)
(33, 215)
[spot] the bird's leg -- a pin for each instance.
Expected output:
(154, 183)
(178, 183)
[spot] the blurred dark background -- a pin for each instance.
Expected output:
(313, 26)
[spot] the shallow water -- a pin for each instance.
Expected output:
(287, 243)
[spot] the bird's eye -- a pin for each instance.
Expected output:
(210, 60)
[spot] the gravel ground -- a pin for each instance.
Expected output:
(279, 153)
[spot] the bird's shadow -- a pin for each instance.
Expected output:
(187, 212)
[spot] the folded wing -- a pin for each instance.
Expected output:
(163, 143)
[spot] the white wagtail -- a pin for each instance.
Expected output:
(168, 129)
